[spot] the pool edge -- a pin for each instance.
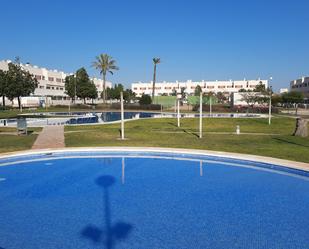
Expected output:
(256, 158)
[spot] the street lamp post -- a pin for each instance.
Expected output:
(75, 91)
(210, 105)
(178, 111)
(269, 107)
(122, 116)
(201, 114)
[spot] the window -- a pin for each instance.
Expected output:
(41, 87)
(50, 79)
(167, 88)
(238, 86)
(61, 88)
(158, 88)
(221, 86)
(142, 88)
(53, 88)
(58, 80)
(252, 86)
(48, 87)
(38, 77)
(210, 87)
(43, 77)
(57, 88)
(135, 88)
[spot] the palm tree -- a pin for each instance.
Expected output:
(105, 63)
(155, 62)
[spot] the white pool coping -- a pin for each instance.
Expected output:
(262, 159)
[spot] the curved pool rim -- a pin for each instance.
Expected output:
(254, 161)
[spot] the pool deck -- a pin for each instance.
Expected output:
(270, 160)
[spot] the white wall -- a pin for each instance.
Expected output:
(207, 86)
(300, 85)
(51, 82)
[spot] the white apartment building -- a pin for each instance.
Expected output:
(51, 82)
(300, 85)
(167, 88)
(283, 90)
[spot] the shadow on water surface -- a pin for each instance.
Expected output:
(110, 233)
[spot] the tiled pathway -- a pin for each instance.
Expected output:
(50, 137)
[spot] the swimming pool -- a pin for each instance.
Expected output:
(135, 199)
(72, 118)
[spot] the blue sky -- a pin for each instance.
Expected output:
(198, 40)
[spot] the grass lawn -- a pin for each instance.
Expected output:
(274, 140)
(13, 142)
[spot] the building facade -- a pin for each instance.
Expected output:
(300, 85)
(168, 88)
(283, 90)
(52, 82)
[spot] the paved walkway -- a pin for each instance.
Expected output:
(50, 137)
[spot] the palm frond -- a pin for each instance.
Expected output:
(105, 63)
(156, 60)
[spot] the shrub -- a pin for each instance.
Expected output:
(145, 100)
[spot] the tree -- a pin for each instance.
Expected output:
(250, 97)
(82, 81)
(197, 90)
(3, 86)
(174, 92)
(84, 87)
(155, 62)
(118, 89)
(114, 92)
(80, 85)
(221, 97)
(183, 92)
(145, 100)
(128, 95)
(92, 91)
(276, 99)
(70, 86)
(264, 93)
(293, 98)
(20, 83)
(260, 88)
(105, 64)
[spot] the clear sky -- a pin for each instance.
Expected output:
(198, 40)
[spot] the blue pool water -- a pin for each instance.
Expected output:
(150, 200)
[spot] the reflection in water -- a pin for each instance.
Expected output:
(110, 234)
(201, 168)
(122, 171)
